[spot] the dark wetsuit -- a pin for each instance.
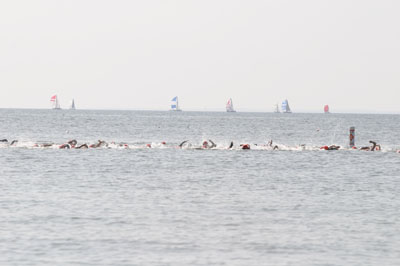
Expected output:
(373, 145)
(100, 143)
(83, 146)
(213, 145)
(65, 146)
(72, 142)
(370, 148)
(180, 145)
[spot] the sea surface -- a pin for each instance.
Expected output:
(130, 204)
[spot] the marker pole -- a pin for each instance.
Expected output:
(352, 137)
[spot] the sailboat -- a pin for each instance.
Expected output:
(72, 105)
(175, 104)
(56, 104)
(276, 109)
(286, 107)
(229, 106)
(326, 109)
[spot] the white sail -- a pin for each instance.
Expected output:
(229, 106)
(277, 109)
(175, 104)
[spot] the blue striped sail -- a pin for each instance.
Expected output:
(285, 107)
(174, 104)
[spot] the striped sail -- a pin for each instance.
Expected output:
(285, 107)
(174, 104)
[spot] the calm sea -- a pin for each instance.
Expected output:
(134, 205)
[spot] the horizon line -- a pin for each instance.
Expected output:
(211, 110)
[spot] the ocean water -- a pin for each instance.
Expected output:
(164, 205)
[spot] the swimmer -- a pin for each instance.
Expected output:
(65, 146)
(245, 146)
(72, 143)
(206, 145)
(213, 145)
(270, 144)
(100, 143)
(3, 140)
(46, 145)
(231, 145)
(374, 145)
(181, 145)
(83, 146)
(330, 148)
(13, 142)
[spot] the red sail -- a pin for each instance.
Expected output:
(326, 109)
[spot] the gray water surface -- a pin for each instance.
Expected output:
(170, 206)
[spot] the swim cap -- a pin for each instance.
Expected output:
(246, 147)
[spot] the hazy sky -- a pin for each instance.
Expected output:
(140, 54)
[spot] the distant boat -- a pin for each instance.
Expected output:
(229, 106)
(276, 109)
(326, 109)
(175, 104)
(72, 105)
(286, 107)
(56, 104)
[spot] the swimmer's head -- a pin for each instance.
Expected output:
(245, 146)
